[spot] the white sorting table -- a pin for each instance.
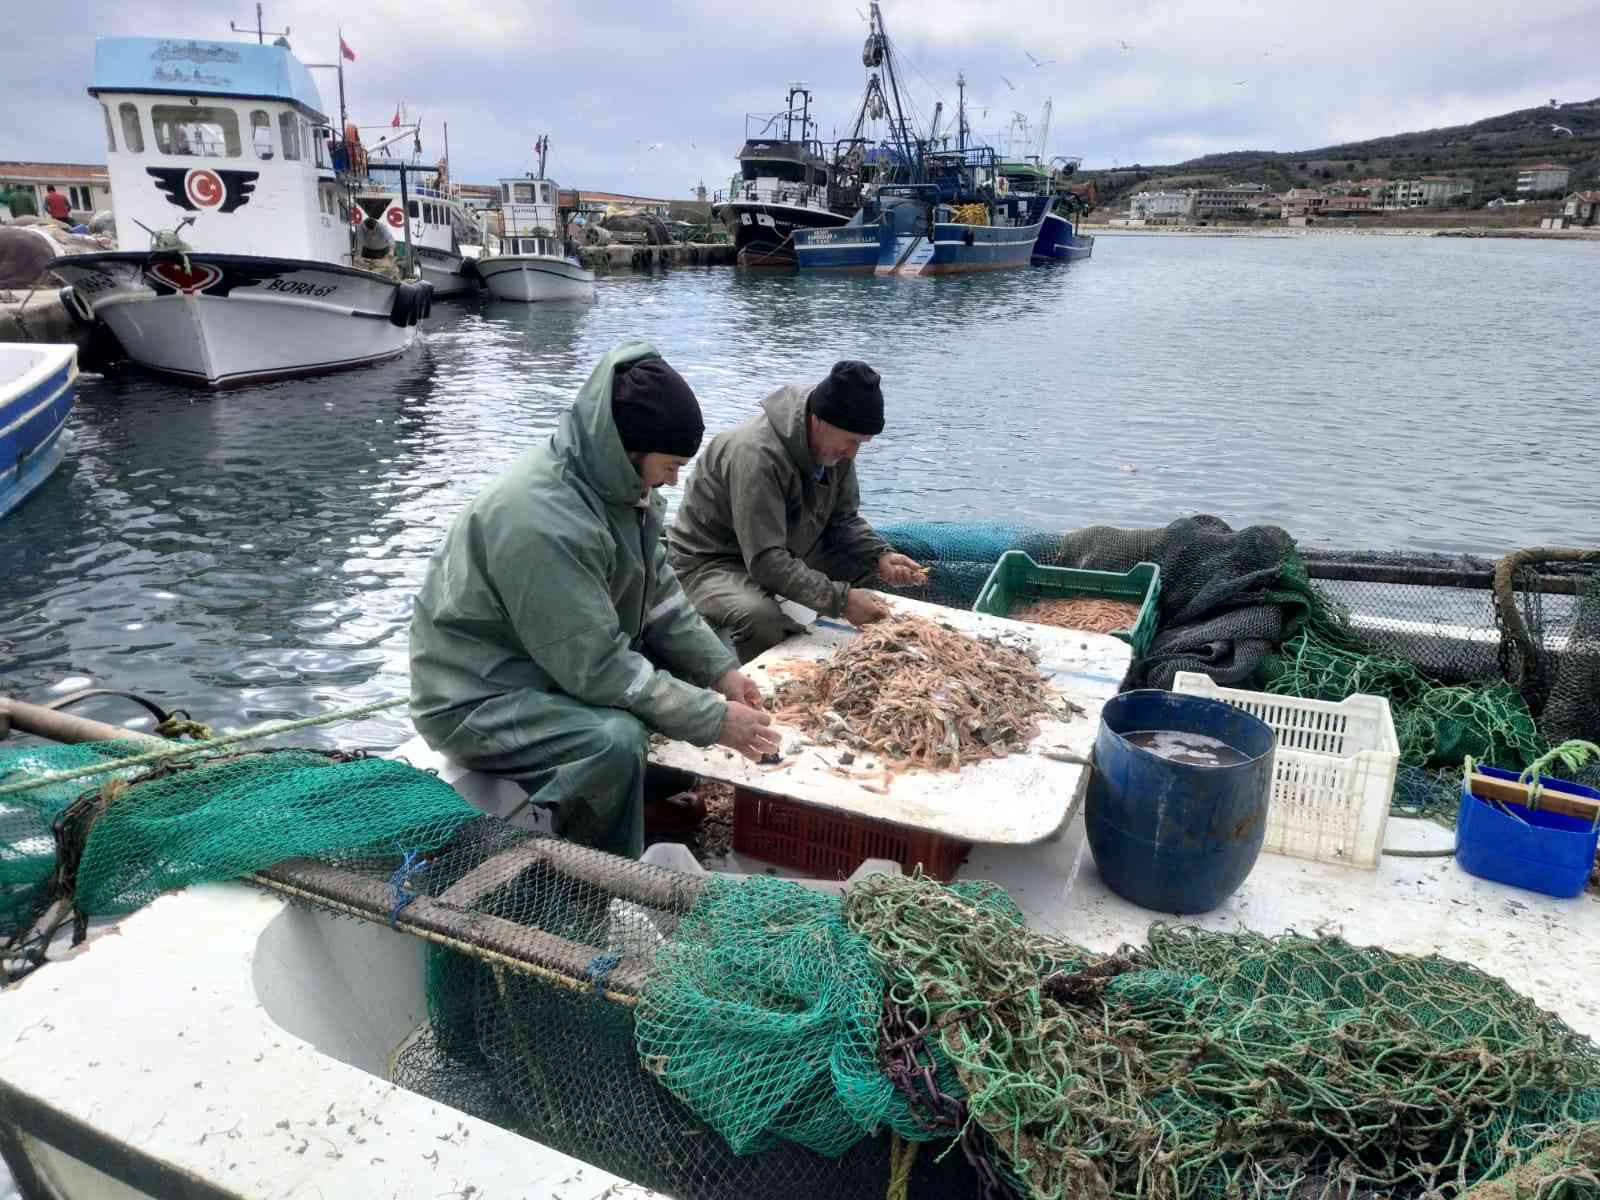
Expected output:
(1017, 800)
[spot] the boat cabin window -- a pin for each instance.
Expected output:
(329, 203)
(505, 192)
(319, 139)
(196, 131)
(415, 209)
(524, 193)
(261, 133)
(111, 137)
(289, 129)
(544, 193)
(132, 131)
(766, 168)
(80, 197)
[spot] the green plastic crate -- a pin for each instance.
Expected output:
(1017, 580)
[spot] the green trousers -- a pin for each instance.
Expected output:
(585, 764)
(746, 613)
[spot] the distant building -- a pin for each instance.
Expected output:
(1582, 209)
(1216, 202)
(1150, 206)
(1348, 205)
(86, 187)
(1430, 191)
(612, 203)
(1542, 177)
(1303, 202)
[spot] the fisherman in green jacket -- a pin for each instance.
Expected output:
(551, 638)
(773, 510)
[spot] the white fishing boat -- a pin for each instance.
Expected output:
(38, 383)
(218, 154)
(441, 235)
(530, 257)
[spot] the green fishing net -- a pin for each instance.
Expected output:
(134, 834)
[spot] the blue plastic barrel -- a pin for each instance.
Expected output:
(1171, 836)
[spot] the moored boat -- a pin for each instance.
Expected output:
(527, 256)
(38, 383)
(219, 156)
(782, 186)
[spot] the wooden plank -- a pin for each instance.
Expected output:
(1509, 791)
(653, 887)
(1017, 800)
(372, 898)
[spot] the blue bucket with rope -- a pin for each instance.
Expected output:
(1177, 805)
(1528, 847)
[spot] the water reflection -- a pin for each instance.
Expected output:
(253, 555)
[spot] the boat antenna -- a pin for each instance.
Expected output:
(261, 34)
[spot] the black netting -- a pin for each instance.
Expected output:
(1572, 711)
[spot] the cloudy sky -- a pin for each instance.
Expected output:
(650, 97)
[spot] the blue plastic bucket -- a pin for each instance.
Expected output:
(1172, 836)
(1531, 848)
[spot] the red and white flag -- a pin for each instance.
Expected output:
(344, 49)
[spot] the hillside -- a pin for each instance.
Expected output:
(1489, 152)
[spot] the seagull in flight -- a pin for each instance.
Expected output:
(1008, 83)
(1562, 129)
(653, 146)
(1037, 63)
(1240, 82)
(1124, 44)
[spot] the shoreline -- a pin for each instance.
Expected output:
(1459, 231)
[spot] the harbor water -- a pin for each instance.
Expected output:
(252, 555)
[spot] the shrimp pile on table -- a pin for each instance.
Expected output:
(919, 694)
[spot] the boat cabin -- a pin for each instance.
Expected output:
(530, 216)
(231, 134)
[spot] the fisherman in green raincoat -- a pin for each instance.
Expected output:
(551, 638)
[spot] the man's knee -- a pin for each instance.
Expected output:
(624, 737)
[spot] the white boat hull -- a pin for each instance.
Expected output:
(443, 272)
(532, 277)
(224, 321)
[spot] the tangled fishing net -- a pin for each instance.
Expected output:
(919, 693)
(1227, 1064)
(112, 843)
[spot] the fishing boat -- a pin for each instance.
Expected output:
(1059, 239)
(255, 1038)
(782, 185)
(38, 383)
(431, 227)
(527, 255)
(219, 155)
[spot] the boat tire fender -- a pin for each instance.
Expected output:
(412, 302)
(77, 308)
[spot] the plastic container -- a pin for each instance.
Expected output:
(1171, 836)
(1333, 772)
(831, 845)
(1017, 580)
(1529, 848)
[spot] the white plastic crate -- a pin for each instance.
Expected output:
(1332, 771)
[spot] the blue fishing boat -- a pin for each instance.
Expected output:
(956, 213)
(1059, 239)
(37, 385)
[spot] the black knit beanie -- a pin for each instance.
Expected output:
(655, 409)
(849, 398)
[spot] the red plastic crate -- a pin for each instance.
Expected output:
(829, 845)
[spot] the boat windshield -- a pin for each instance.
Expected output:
(785, 170)
(198, 132)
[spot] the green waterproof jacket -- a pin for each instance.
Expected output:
(757, 501)
(554, 581)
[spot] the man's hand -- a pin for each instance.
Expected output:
(749, 731)
(899, 571)
(736, 686)
(863, 607)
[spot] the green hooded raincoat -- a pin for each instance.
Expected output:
(550, 636)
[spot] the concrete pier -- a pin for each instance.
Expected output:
(607, 259)
(39, 317)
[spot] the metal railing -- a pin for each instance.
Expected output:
(795, 195)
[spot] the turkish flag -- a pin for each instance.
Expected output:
(344, 49)
(396, 121)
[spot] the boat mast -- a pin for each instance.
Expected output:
(961, 113)
(261, 34)
(882, 36)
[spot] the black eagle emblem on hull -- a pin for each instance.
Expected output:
(203, 189)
